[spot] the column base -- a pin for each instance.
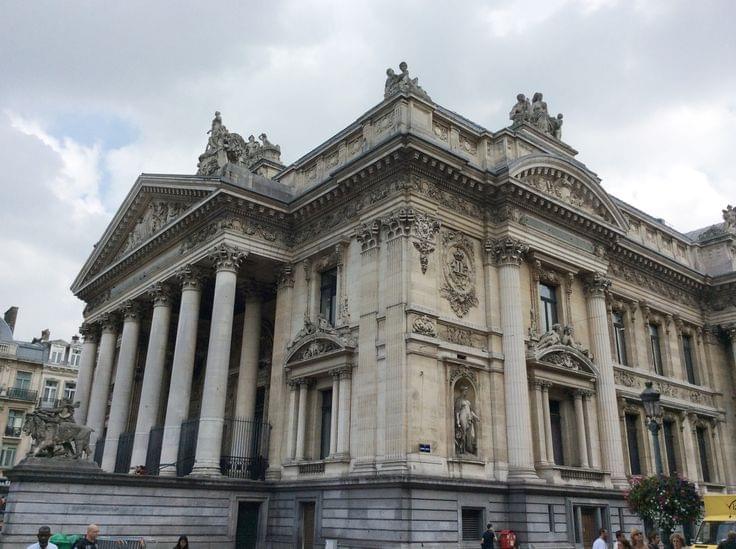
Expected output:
(621, 483)
(273, 473)
(167, 471)
(364, 468)
(523, 475)
(393, 467)
(205, 471)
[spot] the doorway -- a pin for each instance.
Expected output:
(246, 532)
(306, 526)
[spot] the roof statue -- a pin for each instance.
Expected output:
(729, 217)
(535, 113)
(225, 147)
(402, 83)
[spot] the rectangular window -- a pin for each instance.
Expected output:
(702, 436)
(656, 349)
(49, 390)
(632, 437)
(74, 357)
(548, 298)
(555, 418)
(57, 354)
(668, 429)
(687, 352)
(472, 524)
(7, 456)
(326, 427)
(620, 337)
(328, 295)
(15, 423)
(23, 380)
(70, 389)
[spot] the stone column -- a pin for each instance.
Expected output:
(716, 450)
(541, 429)
(153, 373)
(335, 411)
(124, 373)
(245, 397)
(610, 434)
(86, 371)
(343, 429)
(547, 423)
(101, 383)
(211, 419)
(580, 426)
(509, 254)
(591, 428)
(182, 369)
(301, 425)
(293, 418)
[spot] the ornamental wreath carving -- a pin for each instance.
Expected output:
(459, 273)
(424, 325)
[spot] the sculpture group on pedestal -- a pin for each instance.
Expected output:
(56, 434)
(535, 113)
(402, 82)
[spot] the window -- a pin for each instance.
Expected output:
(7, 456)
(15, 423)
(632, 437)
(49, 390)
(326, 427)
(555, 418)
(656, 349)
(668, 428)
(74, 357)
(687, 352)
(701, 434)
(328, 295)
(548, 297)
(70, 389)
(57, 354)
(620, 336)
(23, 380)
(472, 524)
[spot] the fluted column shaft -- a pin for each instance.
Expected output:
(509, 254)
(301, 425)
(580, 425)
(591, 428)
(124, 373)
(343, 429)
(610, 434)
(245, 398)
(153, 374)
(214, 393)
(182, 369)
(293, 418)
(541, 429)
(101, 383)
(335, 412)
(86, 371)
(547, 423)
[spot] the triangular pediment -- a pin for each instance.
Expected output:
(570, 183)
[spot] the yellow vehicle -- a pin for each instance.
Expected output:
(719, 519)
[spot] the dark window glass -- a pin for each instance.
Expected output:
(620, 336)
(548, 297)
(687, 351)
(324, 442)
(703, 452)
(472, 524)
(656, 349)
(551, 517)
(328, 295)
(555, 419)
(668, 428)
(632, 437)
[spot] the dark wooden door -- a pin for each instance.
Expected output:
(590, 528)
(307, 526)
(246, 533)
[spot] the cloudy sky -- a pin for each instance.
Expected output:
(94, 93)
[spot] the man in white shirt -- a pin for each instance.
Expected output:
(602, 541)
(44, 533)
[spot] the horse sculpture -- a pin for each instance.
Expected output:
(55, 434)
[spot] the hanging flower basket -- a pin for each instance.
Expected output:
(667, 501)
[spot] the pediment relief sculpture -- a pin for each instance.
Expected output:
(458, 267)
(158, 214)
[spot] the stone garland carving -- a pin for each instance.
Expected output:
(620, 270)
(232, 223)
(424, 325)
(425, 228)
(624, 378)
(225, 147)
(459, 336)
(565, 188)
(402, 83)
(158, 214)
(459, 273)
(535, 113)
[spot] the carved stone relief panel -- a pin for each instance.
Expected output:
(458, 267)
(156, 215)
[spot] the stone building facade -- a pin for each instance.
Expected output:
(441, 325)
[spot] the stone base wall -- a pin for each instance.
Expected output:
(356, 514)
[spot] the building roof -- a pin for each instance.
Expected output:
(6, 334)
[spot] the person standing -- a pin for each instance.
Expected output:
(89, 541)
(602, 541)
(621, 541)
(677, 541)
(637, 539)
(653, 539)
(489, 536)
(44, 533)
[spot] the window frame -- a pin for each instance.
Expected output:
(701, 439)
(28, 379)
(67, 386)
(325, 432)
(548, 307)
(669, 436)
(655, 345)
(47, 385)
(619, 337)
(633, 436)
(328, 295)
(6, 450)
(689, 358)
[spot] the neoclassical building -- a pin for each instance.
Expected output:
(417, 327)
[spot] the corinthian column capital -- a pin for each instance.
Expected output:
(507, 250)
(226, 257)
(131, 310)
(160, 294)
(191, 277)
(285, 277)
(89, 332)
(597, 284)
(109, 322)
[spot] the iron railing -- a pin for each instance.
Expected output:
(125, 452)
(19, 393)
(244, 448)
(153, 454)
(187, 447)
(99, 451)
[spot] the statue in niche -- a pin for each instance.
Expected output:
(465, 418)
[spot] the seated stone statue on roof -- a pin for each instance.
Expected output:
(402, 83)
(536, 114)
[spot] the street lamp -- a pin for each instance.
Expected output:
(653, 410)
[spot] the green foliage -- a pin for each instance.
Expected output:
(665, 501)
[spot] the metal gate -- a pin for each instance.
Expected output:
(153, 454)
(187, 447)
(125, 452)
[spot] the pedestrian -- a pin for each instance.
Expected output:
(44, 533)
(602, 541)
(183, 543)
(89, 541)
(489, 536)
(677, 541)
(729, 542)
(621, 541)
(637, 539)
(653, 539)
